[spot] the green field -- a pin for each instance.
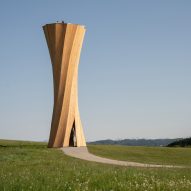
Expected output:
(152, 155)
(31, 166)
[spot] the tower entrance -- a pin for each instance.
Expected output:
(73, 141)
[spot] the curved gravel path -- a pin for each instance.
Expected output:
(82, 153)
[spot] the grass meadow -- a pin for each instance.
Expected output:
(153, 155)
(32, 166)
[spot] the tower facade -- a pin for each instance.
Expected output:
(64, 43)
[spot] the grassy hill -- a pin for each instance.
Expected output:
(32, 166)
(181, 143)
(153, 155)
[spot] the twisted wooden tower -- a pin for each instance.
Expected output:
(64, 43)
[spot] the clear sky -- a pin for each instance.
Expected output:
(134, 72)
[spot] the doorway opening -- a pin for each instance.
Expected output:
(73, 141)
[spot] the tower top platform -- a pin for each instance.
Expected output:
(63, 23)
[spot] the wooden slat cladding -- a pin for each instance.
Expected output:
(64, 43)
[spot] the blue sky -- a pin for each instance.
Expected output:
(134, 73)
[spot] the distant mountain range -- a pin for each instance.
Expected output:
(136, 142)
